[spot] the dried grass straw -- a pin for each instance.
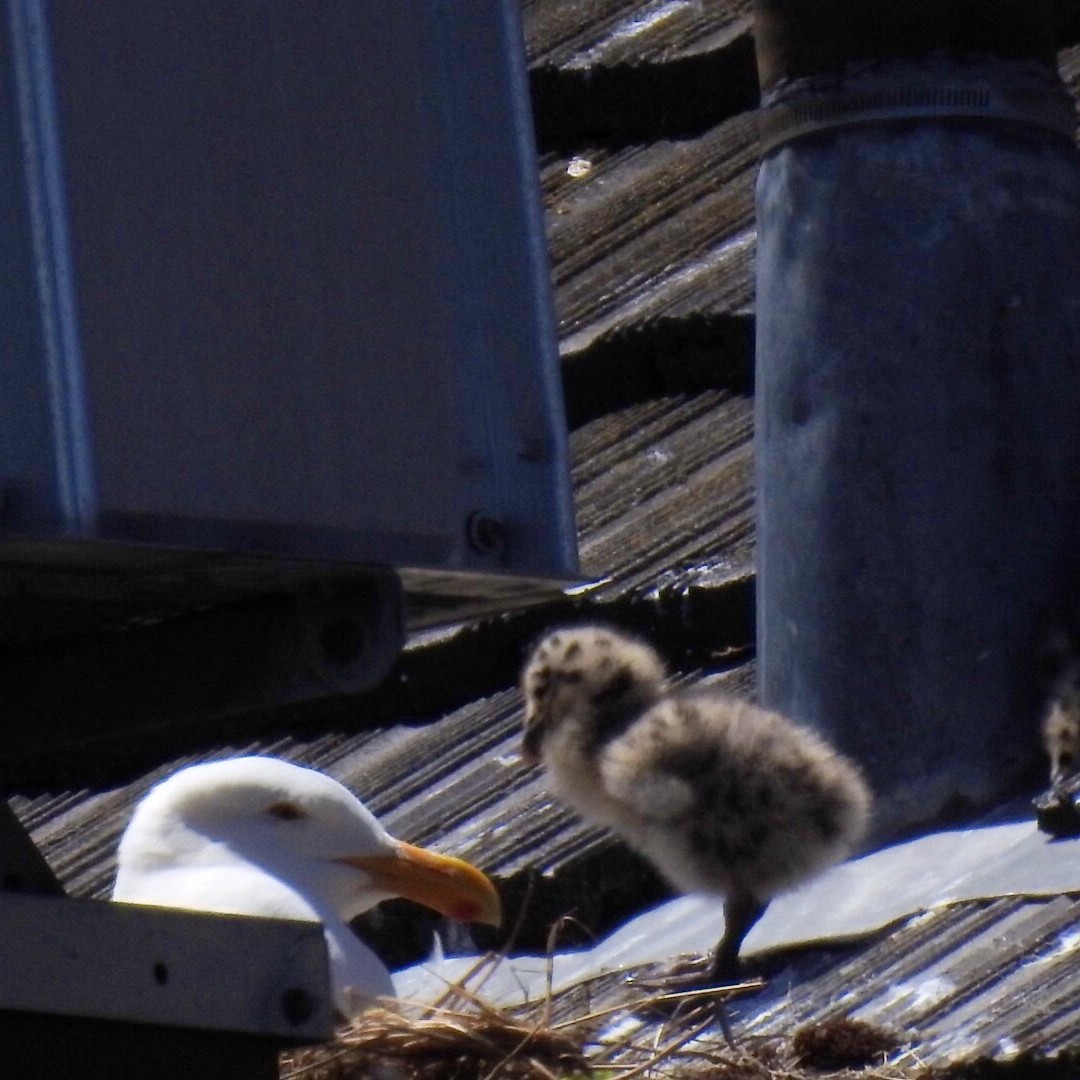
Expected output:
(463, 1037)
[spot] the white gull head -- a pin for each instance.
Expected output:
(260, 836)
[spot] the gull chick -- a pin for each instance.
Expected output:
(260, 836)
(719, 795)
(1061, 725)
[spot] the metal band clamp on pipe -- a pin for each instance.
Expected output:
(783, 122)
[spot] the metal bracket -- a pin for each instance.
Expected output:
(105, 690)
(108, 961)
(184, 992)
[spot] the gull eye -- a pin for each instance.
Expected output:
(286, 811)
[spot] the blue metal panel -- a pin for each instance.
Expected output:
(290, 289)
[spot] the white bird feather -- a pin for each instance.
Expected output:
(262, 837)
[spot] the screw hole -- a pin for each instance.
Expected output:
(486, 534)
(161, 973)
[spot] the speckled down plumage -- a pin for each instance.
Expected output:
(720, 795)
(1061, 723)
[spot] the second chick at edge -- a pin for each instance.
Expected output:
(721, 796)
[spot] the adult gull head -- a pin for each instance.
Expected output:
(260, 836)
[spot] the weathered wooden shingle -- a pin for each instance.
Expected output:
(652, 231)
(568, 33)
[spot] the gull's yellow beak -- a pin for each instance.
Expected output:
(450, 886)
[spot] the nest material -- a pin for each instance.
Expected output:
(462, 1037)
(387, 1042)
(841, 1043)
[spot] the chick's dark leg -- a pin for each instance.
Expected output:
(740, 914)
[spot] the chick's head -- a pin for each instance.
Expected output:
(589, 677)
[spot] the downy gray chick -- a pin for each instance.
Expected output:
(1061, 724)
(719, 795)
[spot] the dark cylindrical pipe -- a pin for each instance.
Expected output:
(918, 386)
